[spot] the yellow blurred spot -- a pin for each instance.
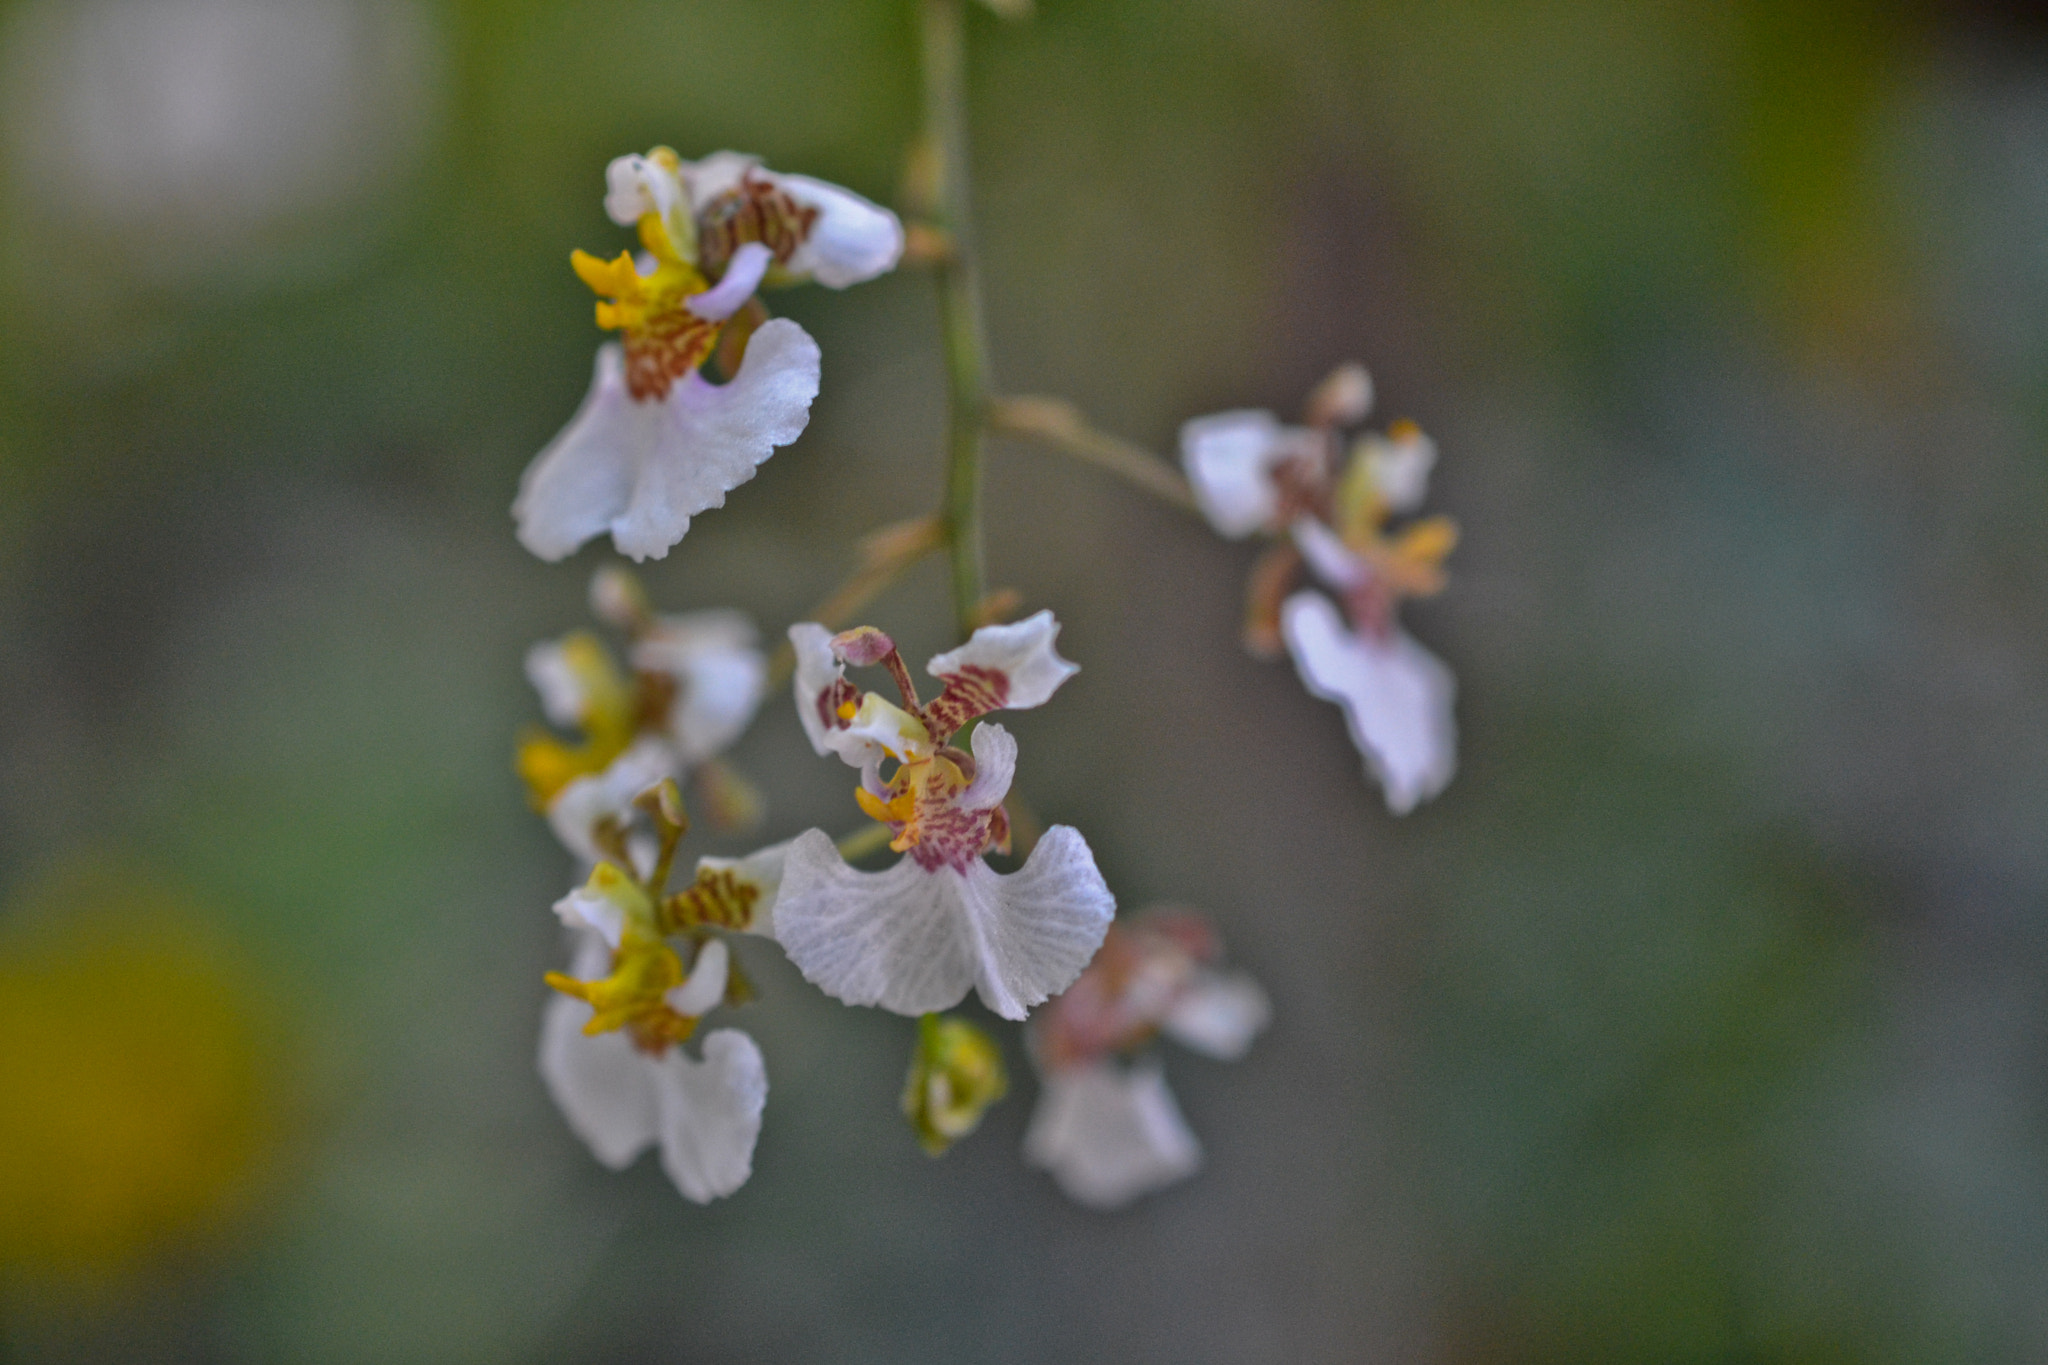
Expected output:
(134, 1101)
(608, 718)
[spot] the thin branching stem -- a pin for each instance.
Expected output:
(1059, 424)
(965, 348)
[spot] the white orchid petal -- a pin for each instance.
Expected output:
(1023, 653)
(711, 176)
(1396, 697)
(721, 677)
(593, 912)
(713, 437)
(700, 994)
(599, 1082)
(1109, 1135)
(743, 275)
(1219, 1014)
(818, 670)
(642, 470)
(636, 185)
(914, 941)
(584, 477)
(995, 767)
(563, 697)
(880, 725)
(889, 938)
(1229, 459)
(1399, 465)
(1327, 556)
(576, 810)
(852, 240)
(710, 1114)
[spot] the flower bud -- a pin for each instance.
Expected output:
(956, 1073)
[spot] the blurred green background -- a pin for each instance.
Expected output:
(1703, 1019)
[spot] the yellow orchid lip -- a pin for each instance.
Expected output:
(664, 341)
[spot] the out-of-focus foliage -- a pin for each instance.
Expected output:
(1700, 1020)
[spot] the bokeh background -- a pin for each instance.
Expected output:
(1705, 1018)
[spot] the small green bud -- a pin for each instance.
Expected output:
(956, 1073)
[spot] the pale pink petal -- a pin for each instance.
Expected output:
(1109, 1135)
(1396, 697)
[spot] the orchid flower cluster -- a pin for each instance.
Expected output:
(700, 387)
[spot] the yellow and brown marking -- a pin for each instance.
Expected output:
(720, 898)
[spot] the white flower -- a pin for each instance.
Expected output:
(1251, 473)
(705, 1114)
(640, 468)
(1396, 697)
(720, 676)
(1109, 1134)
(655, 442)
(697, 680)
(916, 937)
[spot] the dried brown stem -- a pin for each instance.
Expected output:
(1059, 424)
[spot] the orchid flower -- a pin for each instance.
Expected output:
(1108, 1130)
(697, 680)
(1333, 513)
(916, 937)
(655, 442)
(611, 1049)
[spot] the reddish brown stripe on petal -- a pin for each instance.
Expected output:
(665, 347)
(974, 691)
(753, 211)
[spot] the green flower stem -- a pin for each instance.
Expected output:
(966, 349)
